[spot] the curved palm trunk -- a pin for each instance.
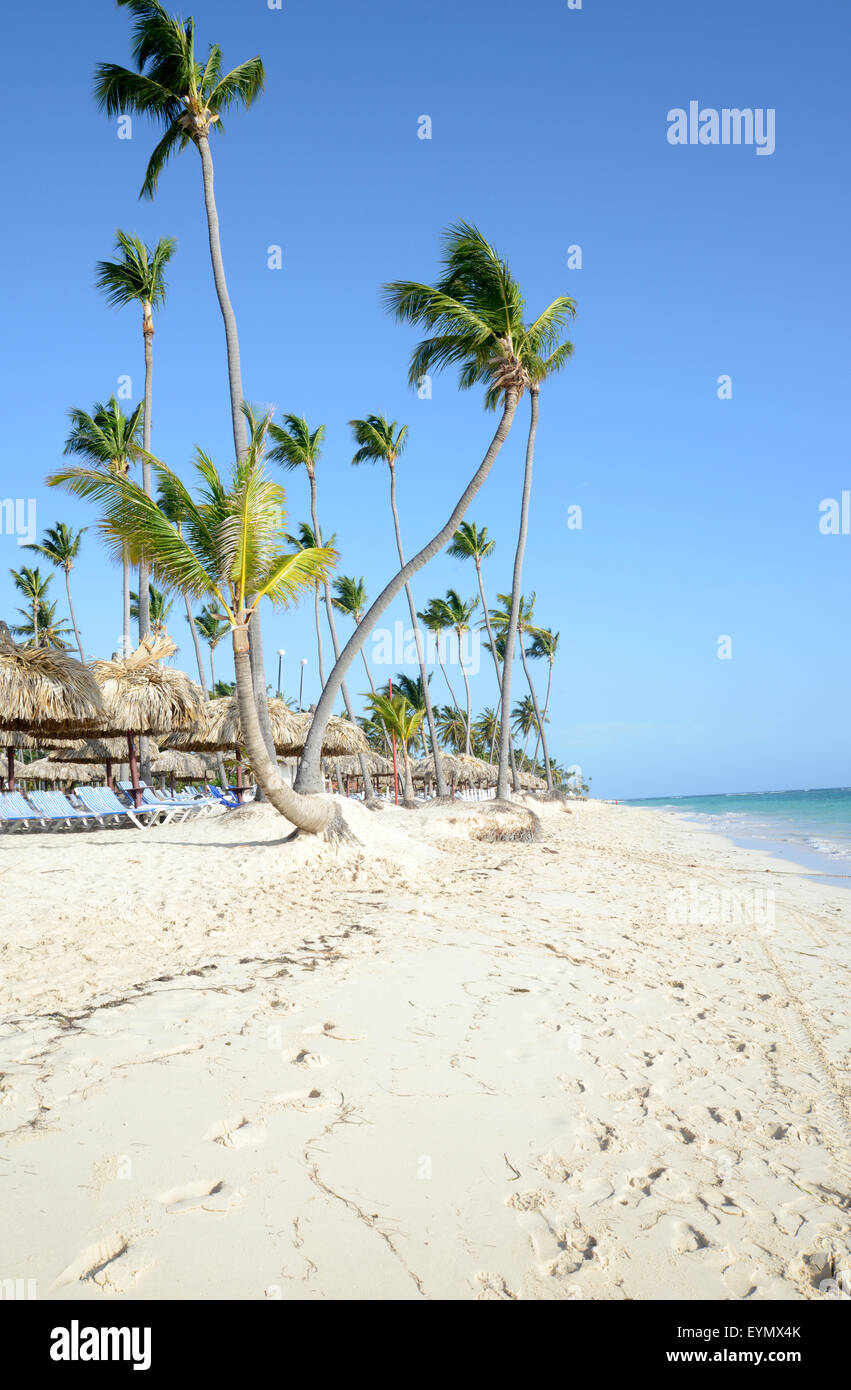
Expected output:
(310, 813)
(309, 774)
(432, 727)
(540, 722)
(240, 435)
(368, 789)
(73, 615)
(516, 589)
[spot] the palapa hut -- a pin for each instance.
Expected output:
(51, 770)
(341, 736)
(348, 766)
(105, 751)
(217, 728)
(141, 696)
(44, 691)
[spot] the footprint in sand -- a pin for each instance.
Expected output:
(207, 1194)
(329, 1030)
(238, 1132)
(493, 1286)
(108, 1263)
(307, 1098)
(309, 1059)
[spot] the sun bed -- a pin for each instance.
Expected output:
(169, 805)
(16, 810)
(102, 801)
(58, 810)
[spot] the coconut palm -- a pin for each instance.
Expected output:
(108, 439)
(159, 607)
(305, 539)
(414, 692)
(397, 717)
(212, 627)
(187, 98)
(469, 324)
(39, 625)
(453, 726)
(229, 550)
(60, 545)
(138, 277)
(350, 598)
(486, 732)
(436, 620)
(457, 615)
(501, 619)
(544, 645)
(382, 441)
(523, 721)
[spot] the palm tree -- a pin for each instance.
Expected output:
(523, 721)
(414, 692)
(228, 550)
(397, 717)
(159, 607)
(33, 585)
(486, 731)
(41, 628)
(501, 618)
(381, 441)
(436, 619)
(453, 726)
(457, 614)
(350, 598)
(212, 627)
(108, 439)
(470, 325)
(305, 539)
(138, 277)
(186, 99)
(544, 644)
(60, 545)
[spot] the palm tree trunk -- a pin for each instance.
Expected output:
(469, 705)
(516, 590)
(73, 615)
(368, 789)
(309, 778)
(546, 703)
(540, 722)
(318, 635)
(432, 727)
(240, 435)
(148, 335)
(126, 619)
(310, 813)
(445, 676)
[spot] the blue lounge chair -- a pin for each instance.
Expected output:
(171, 806)
(229, 801)
(58, 810)
(16, 810)
(103, 802)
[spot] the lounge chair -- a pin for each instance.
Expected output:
(103, 802)
(229, 801)
(171, 805)
(59, 811)
(16, 810)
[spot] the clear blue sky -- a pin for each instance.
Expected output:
(700, 516)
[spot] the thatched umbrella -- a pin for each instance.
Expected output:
(423, 769)
(94, 750)
(51, 770)
(475, 772)
(143, 697)
(218, 729)
(183, 766)
(43, 690)
(341, 736)
(349, 765)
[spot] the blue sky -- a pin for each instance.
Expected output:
(699, 515)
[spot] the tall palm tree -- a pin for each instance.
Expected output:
(228, 550)
(436, 620)
(470, 325)
(60, 545)
(414, 692)
(212, 627)
(305, 539)
(544, 645)
(523, 721)
(397, 717)
(186, 98)
(33, 585)
(453, 726)
(137, 276)
(159, 607)
(486, 731)
(458, 614)
(471, 543)
(350, 598)
(382, 441)
(109, 439)
(501, 618)
(42, 628)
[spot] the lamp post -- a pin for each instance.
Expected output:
(281, 655)
(301, 683)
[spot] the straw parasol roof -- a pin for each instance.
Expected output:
(44, 689)
(341, 736)
(217, 726)
(49, 770)
(423, 770)
(14, 738)
(475, 771)
(94, 750)
(141, 696)
(176, 764)
(349, 765)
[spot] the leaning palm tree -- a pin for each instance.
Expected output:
(350, 598)
(382, 441)
(138, 277)
(60, 545)
(397, 717)
(457, 614)
(108, 439)
(227, 550)
(186, 98)
(469, 325)
(212, 627)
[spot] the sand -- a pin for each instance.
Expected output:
(600, 1065)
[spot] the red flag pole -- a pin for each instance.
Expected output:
(393, 736)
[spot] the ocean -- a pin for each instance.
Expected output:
(811, 828)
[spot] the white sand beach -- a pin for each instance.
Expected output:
(422, 1067)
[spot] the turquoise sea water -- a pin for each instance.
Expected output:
(811, 827)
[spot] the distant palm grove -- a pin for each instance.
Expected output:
(214, 545)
